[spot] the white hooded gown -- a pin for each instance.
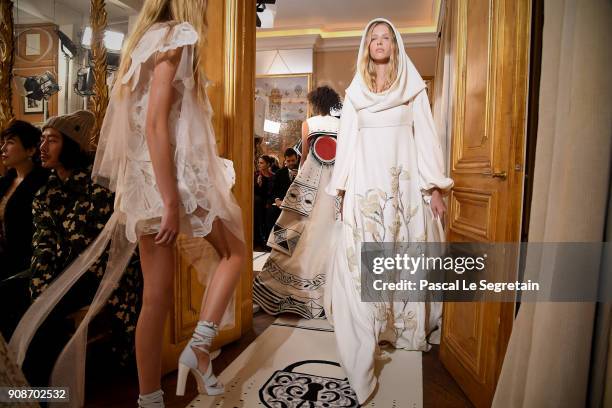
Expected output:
(388, 159)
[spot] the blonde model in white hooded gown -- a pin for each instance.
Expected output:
(388, 160)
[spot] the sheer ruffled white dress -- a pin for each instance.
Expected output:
(123, 164)
(388, 160)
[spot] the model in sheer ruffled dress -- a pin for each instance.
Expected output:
(157, 152)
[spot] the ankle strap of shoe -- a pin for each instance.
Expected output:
(203, 335)
(207, 329)
(153, 399)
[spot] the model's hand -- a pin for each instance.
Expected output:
(169, 226)
(437, 205)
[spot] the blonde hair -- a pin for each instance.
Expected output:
(176, 11)
(366, 66)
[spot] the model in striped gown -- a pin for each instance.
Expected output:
(293, 277)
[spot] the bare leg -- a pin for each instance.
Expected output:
(157, 270)
(232, 253)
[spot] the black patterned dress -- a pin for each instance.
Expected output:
(68, 215)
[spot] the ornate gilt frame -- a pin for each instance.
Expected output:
(7, 57)
(100, 98)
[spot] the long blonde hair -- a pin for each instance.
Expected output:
(366, 66)
(156, 11)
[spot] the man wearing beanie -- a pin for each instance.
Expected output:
(69, 213)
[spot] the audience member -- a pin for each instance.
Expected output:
(264, 185)
(284, 177)
(19, 146)
(24, 177)
(69, 212)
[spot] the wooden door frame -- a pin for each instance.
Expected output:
(239, 118)
(506, 98)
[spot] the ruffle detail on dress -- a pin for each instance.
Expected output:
(123, 160)
(182, 34)
(158, 40)
(229, 173)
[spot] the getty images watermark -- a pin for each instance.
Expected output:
(486, 272)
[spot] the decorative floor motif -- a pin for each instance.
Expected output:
(291, 388)
(294, 364)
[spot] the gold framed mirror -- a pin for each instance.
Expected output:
(53, 46)
(6, 62)
(98, 21)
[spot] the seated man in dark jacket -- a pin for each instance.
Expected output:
(285, 176)
(69, 213)
(283, 179)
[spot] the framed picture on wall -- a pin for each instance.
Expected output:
(32, 105)
(282, 104)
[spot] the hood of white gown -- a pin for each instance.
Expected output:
(406, 86)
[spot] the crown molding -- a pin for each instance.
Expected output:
(287, 42)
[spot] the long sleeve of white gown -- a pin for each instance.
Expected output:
(345, 148)
(429, 151)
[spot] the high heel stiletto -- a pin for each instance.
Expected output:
(201, 340)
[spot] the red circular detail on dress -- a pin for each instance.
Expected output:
(325, 148)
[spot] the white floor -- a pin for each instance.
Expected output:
(248, 379)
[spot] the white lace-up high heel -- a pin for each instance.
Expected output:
(152, 400)
(201, 340)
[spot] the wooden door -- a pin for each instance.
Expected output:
(230, 67)
(490, 44)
